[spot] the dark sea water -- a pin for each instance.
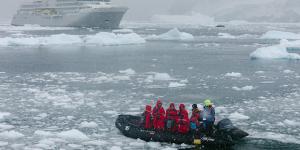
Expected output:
(48, 93)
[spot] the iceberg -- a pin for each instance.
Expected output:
(102, 38)
(274, 52)
(280, 35)
(226, 36)
(245, 88)
(233, 74)
(173, 35)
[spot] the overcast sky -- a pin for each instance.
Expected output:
(144, 9)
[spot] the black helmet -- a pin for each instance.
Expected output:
(194, 106)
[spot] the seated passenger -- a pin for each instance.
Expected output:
(195, 118)
(147, 117)
(171, 118)
(158, 114)
(208, 116)
(183, 120)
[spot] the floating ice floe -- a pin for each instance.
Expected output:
(176, 85)
(4, 127)
(238, 116)
(44, 133)
(86, 124)
(226, 36)
(73, 135)
(274, 52)
(285, 138)
(245, 88)
(259, 72)
(123, 31)
(10, 135)
(288, 71)
(233, 74)
(173, 35)
(115, 148)
(128, 71)
(158, 77)
(280, 35)
(291, 122)
(295, 45)
(102, 38)
(3, 143)
(4, 114)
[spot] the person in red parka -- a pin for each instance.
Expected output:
(171, 118)
(147, 117)
(183, 121)
(158, 114)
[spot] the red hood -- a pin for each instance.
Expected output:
(181, 106)
(148, 108)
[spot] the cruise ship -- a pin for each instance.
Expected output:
(70, 13)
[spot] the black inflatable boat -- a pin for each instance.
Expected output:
(224, 135)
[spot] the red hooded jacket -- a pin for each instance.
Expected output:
(183, 122)
(147, 117)
(172, 114)
(158, 114)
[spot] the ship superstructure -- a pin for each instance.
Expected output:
(70, 13)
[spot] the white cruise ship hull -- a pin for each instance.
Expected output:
(106, 18)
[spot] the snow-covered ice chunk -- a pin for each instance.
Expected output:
(259, 72)
(96, 142)
(245, 88)
(3, 143)
(115, 148)
(102, 38)
(238, 116)
(226, 36)
(291, 122)
(137, 143)
(280, 35)
(162, 76)
(295, 45)
(11, 135)
(122, 31)
(44, 133)
(288, 71)
(155, 145)
(6, 127)
(274, 52)
(286, 138)
(169, 148)
(110, 112)
(4, 114)
(86, 124)
(233, 74)
(128, 71)
(173, 34)
(176, 84)
(73, 135)
(107, 38)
